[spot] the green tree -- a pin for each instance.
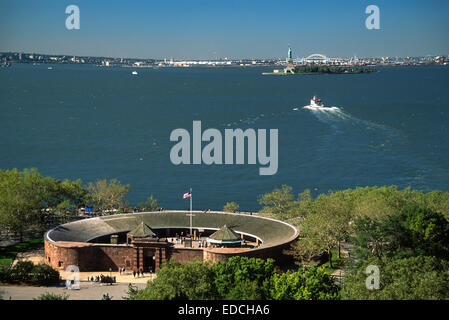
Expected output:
(437, 201)
(239, 278)
(149, 205)
(429, 232)
(27, 199)
(235, 277)
(67, 196)
(412, 232)
(312, 284)
(371, 205)
(174, 281)
(245, 290)
(305, 249)
(279, 201)
(376, 238)
(21, 200)
(304, 204)
(326, 226)
(414, 278)
(231, 207)
(107, 196)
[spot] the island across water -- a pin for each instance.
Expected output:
(321, 69)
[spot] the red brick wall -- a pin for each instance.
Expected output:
(87, 256)
(98, 257)
(101, 257)
(264, 253)
(185, 255)
(60, 257)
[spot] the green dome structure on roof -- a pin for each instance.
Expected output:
(142, 231)
(224, 235)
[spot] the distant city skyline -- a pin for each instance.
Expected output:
(232, 29)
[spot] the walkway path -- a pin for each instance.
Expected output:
(88, 291)
(120, 278)
(345, 248)
(35, 256)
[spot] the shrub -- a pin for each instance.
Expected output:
(5, 274)
(27, 272)
(52, 296)
(43, 274)
(21, 271)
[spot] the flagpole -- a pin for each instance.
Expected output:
(190, 212)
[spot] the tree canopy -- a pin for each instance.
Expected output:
(239, 278)
(107, 196)
(312, 284)
(231, 207)
(30, 201)
(149, 205)
(27, 198)
(414, 278)
(235, 276)
(175, 281)
(332, 69)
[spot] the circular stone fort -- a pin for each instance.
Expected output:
(141, 241)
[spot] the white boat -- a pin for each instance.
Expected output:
(316, 102)
(134, 72)
(318, 105)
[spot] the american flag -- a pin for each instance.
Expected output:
(187, 195)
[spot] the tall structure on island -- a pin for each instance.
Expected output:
(289, 54)
(290, 64)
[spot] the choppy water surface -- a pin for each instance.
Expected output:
(86, 122)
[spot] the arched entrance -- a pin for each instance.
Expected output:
(149, 260)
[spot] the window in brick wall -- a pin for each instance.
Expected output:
(60, 264)
(49, 260)
(128, 263)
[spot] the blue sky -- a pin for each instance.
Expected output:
(234, 29)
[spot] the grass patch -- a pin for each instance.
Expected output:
(9, 253)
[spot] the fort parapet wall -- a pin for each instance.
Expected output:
(71, 243)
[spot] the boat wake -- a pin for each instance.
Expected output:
(335, 115)
(331, 114)
(323, 108)
(377, 137)
(381, 148)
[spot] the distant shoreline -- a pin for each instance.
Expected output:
(310, 73)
